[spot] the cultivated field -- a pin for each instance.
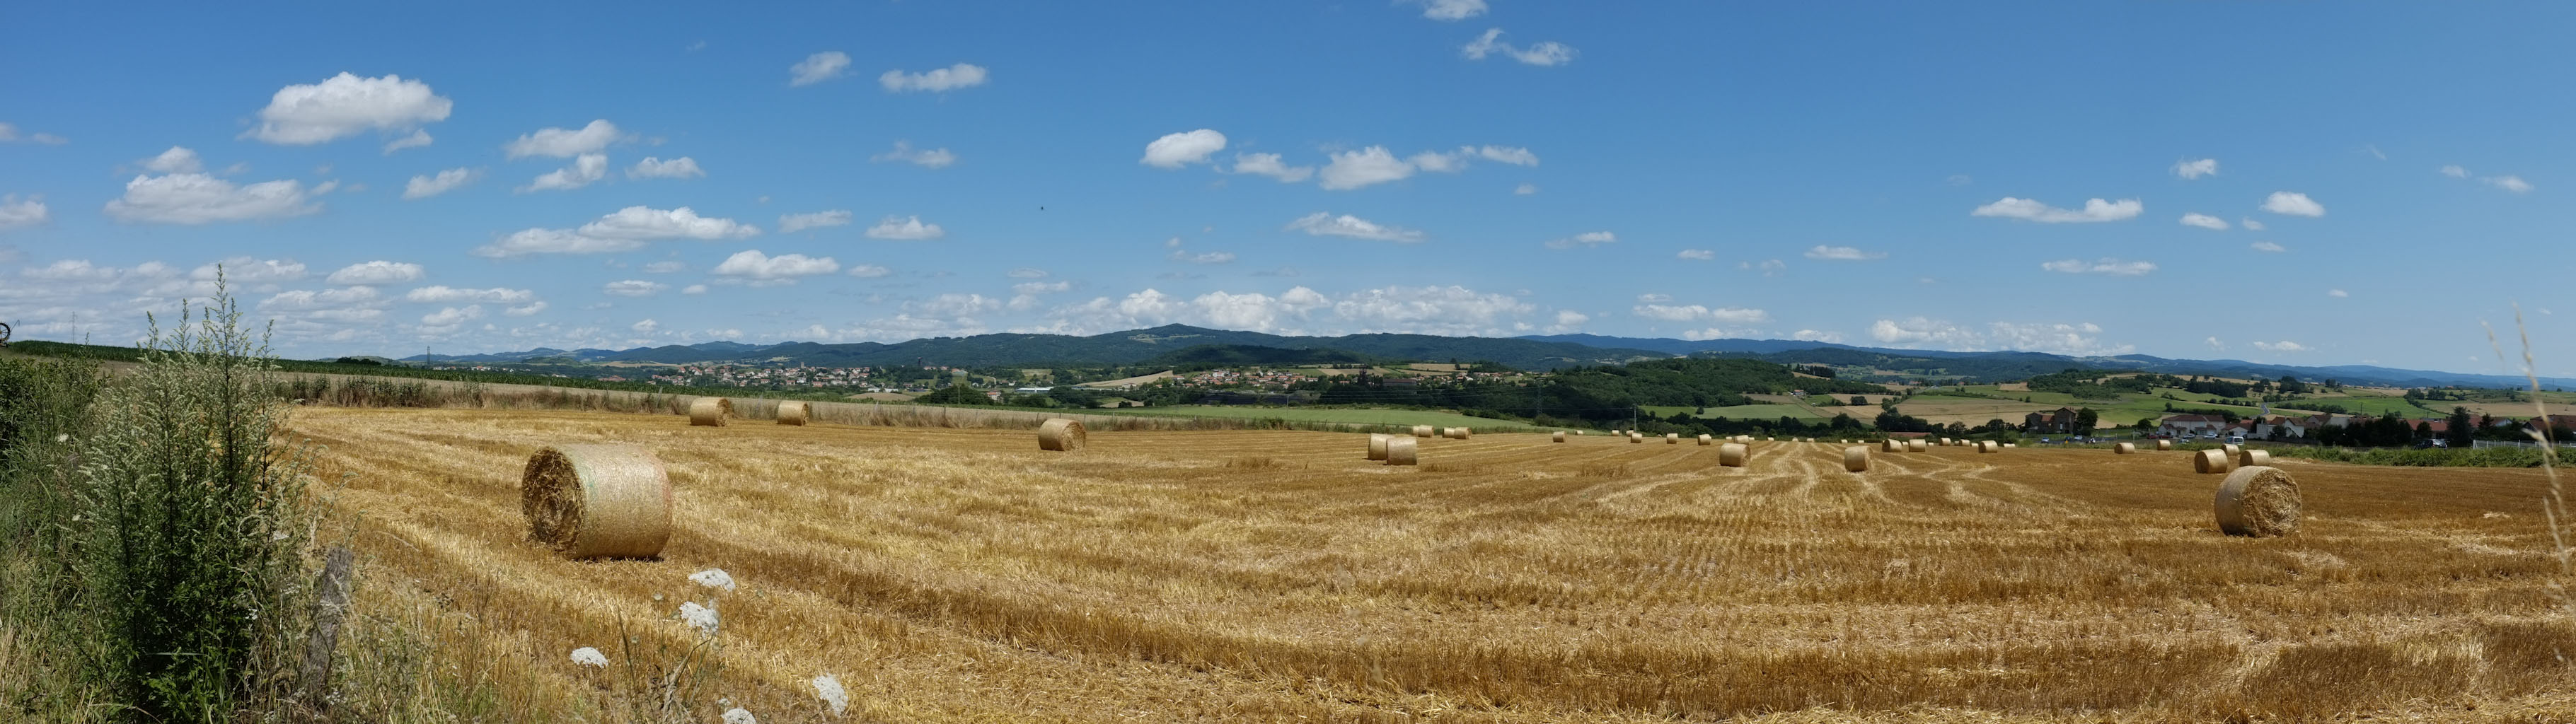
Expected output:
(962, 575)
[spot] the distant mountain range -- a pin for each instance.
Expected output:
(1531, 352)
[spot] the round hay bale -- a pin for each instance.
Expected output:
(1464, 433)
(1672, 438)
(1636, 439)
(1578, 432)
(1403, 451)
(2258, 501)
(597, 501)
(1062, 435)
(710, 411)
(1377, 445)
(1733, 454)
(2232, 450)
(1856, 458)
(2253, 458)
(2012, 444)
(2124, 448)
(1917, 445)
(794, 413)
(1766, 439)
(1945, 442)
(1890, 445)
(2211, 462)
(1422, 431)
(1560, 436)
(2164, 444)
(1707, 440)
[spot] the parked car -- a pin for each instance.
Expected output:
(2235, 439)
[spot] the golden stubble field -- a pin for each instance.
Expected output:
(950, 575)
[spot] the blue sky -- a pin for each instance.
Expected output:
(2284, 182)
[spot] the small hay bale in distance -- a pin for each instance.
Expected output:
(1377, 445)
(2012, 444)
(1403, 451)
(1636, 438)
(1062, 435)
(1918, 445)
(2232, 450)
(710, 411)
(1856, 458)
(2124, 448)
(1890, 445)
(1945, 442)
(1733, 454)
(794, 412)
(1422, 431)
(2258, 501)
(2253, 458)
(1560, 436)
(2211, 462)
(2164, 444)
(597, 501)
(1672, 438)
(1706, 439)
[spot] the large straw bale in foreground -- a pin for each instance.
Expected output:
(2211, 462)
(710, 411)
(2258, 501)
(1856, 458)
(1402, 451)
(1062, 435)
(1733, 454)
(597, 501)
(794, 413)
(1377, 446)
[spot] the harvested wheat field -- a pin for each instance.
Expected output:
(962, 575)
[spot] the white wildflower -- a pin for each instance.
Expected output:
(829, 690)
(700, 616)
(713, 578)
(590, 657)
(737, 716)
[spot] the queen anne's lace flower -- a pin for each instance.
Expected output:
(699, 616)
(713, 578)
(829, 690)
(737, 716)
(590, 657)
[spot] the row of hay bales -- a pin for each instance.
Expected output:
(718, 411)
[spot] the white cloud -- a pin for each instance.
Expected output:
(2204, 221)
(1841, 253)
(553, 241)
(1810, 335)
(750, 264)
(1452, 9)
(176, 160)
(2081, 339)
(1568, 320)
(1544, 54)
(1028, 272)
(2095, 210)
(1696, 254)
(2509, 183)
(2282, 346)
(1213, 257)
(2290, 203)
(1524, 189)
(1181, 149)
(1036, 288)
(818, 67)
(939, 80)
(2454, 171)
(2214, 344)
(1437, 162)
(376, 272)
(1268, 164)
(908, 228)
(585, 169)
(2269, 246)
(307, 300)
(646, 326)
(694, 289)
(452, 316)
(1364, 167)
(953, 305)
(1651, 297)
(792, 223)
(903, 151)
(1699, 313)
(633, 288)
(16, 214)
(651, 167)
(560, 143)
(243, 270)
(421, 187)
(1586, 240)
(2108, 266)
(345, 105)
(1324, 223)
(1769, 267)
(1505, 154)
(640, 222)
(2338, 293)
(1423, 310)
(1448, 310)
(529, 309)
(9, 134)
(2196, 169)
(869, 271)
(195, 198)
(418, 138)
(451, 295)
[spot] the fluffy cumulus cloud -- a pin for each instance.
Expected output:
(2080, 339)
(248, 271)
(818, 67)
(1268, 164)
(2282, 346)
(2509, 183)
(452, 295)
(1567, 321)
(909, 228)
(376, 272)
(2095, 210)
(651, 167)
(2250, 224)
(1811, 335)
(1586, 240)
(585, 169)
(1549, 53)
(176, 160)
(562, 143)
(792, 223)
(345, 105)
(1699, 313)
(1181, 149)
(1450, 310)
(421, 187)
(415, 140)
(644, 222)
(2455, 171)
(925, 158)
(195, 198)
(1696, 254)
(16, 213)
(939, 80)
(2291, 203)
(2105, 266)
(1452, 9)
(1843, 253)
(1426, 310)
(761, 269)
(1324, 223)
(2204, 221)
(1364, 167)
(633, 288)
(2269, 246)
(2196, 169)
(552, 241)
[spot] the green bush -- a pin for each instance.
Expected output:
(43, 402)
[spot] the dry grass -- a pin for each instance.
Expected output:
(956, 575)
